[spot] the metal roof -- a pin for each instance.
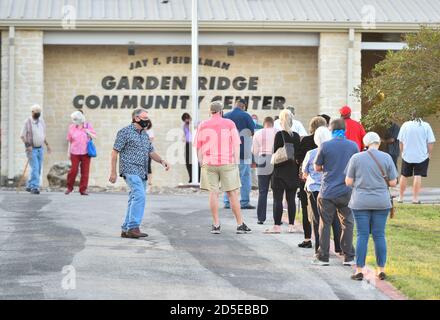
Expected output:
(303, 12)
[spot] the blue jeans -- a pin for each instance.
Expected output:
(36, 162)
(246, 185)
(136, 202)
(374, 222)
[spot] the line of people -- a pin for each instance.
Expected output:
(342, 184)
(338, 169)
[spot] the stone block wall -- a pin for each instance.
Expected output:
(29, 90)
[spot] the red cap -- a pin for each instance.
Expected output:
(345, 111)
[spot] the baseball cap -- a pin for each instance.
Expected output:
(345, 111)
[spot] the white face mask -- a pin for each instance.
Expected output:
(77, 122)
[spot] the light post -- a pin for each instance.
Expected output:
(194, 85)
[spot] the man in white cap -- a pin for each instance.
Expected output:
(33, 136)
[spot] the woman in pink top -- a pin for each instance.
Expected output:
(78, 136)
(262, 148)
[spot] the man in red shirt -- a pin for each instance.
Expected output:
(354, 131)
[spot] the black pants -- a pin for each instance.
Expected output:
(336, 226)
(302, 196)
(263, 189)
(395, 158)
(278, 204)
(149, 166)
(188, 150)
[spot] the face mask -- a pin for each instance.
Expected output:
(36, 115)
(143, 123)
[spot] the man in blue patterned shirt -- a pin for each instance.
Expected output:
(134, 149)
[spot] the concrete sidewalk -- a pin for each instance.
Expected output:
(427, 195)
(40, 236)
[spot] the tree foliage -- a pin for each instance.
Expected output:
(405, 81)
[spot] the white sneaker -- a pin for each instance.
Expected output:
(349, 263)
(318, 262)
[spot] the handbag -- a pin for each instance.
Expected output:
(382, 172)
(284, 153)
(91, 149)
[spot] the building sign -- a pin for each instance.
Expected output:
(147, 85)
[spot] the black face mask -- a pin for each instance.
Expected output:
(143, 123)
(36, 115)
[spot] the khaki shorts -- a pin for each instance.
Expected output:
(228, 176)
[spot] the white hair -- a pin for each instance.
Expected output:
(322, 134)
(286, 120)
(36, 108)
(371, 138)
(77, 117)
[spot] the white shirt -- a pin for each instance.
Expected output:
(150, 133)
(297, 127)
(415, 136)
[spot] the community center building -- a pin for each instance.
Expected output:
(108, 57)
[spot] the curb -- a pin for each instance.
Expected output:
(369, 274)
(382, 285)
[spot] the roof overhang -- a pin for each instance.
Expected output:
(215, 26)
(167, 38)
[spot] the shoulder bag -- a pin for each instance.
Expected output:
(286, 152)
(382, 172)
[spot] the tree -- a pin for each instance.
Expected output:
(404, 82)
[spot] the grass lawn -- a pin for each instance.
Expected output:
(413, 239)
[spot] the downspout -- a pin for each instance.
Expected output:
(11, 106)
(350, 59)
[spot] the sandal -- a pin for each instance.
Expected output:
(358, 276)
(382, 276)
(272, 231)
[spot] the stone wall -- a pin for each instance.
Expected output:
(71, 71)
(332, 61)
(29, 90)
(4, 104)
